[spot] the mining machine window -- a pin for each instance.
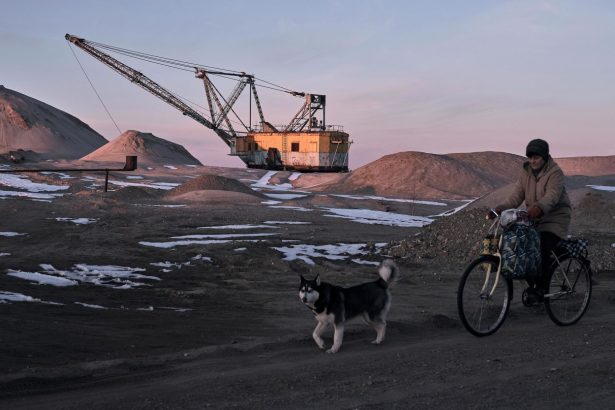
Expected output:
(294, 146)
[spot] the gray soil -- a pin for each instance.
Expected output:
(230, 332)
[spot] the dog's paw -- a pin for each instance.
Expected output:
(376, 342)
(332, 350)
(320, 343)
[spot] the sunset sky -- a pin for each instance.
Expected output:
(431, 76)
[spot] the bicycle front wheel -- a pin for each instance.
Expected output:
(483, 297)
(570, 290)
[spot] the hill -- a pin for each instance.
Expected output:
(31, 125)
(588, 166)
(149, 149)
(422, 175)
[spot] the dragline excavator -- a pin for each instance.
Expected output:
(306, 143)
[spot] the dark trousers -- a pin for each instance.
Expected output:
(548, 242)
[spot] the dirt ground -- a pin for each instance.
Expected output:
(227, 330)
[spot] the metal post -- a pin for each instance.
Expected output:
(129, 165)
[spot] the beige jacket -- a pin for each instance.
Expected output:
(547, 191)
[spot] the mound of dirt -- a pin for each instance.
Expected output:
(453, 240)
(149, 149)
(130, 194)
(31, 125)
(209, 182)
(456, 240)
(589, 166)
(429, 176)
(214, 196)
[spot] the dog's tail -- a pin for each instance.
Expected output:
(388, 271)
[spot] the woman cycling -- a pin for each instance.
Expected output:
(541, 186)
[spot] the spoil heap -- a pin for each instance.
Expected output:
(210, 182)
(32, 126)
(419, 175)
(456, 240)
(149, 149)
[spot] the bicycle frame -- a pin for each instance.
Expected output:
(565, 274)
(498, 255)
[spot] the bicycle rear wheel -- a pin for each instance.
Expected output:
(483, 298)
(569, 292)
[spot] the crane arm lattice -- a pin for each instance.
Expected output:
(146, 83)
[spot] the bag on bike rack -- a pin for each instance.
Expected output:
(577, 248)
(490, 245)
(520, 252)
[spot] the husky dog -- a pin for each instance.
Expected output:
(335, 305)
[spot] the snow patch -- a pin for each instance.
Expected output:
(306, 252)
(77, 221)
(12, 234)
(603, 187)
(368, 216)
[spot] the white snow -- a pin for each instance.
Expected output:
(285, 196)
(20, 182)
(248, 226)
(271, 202)
(5, 254)
(287, 223)
(602, 187)
(32, 195)
(117, 277)
(382, 198)
(294, 176)
(16, 297)
(364, 262)
(134, 177)
(41, 278)
(263, 183)
(173, 244)
(170, 166)
(368, 216)
(156, 185)
(77, 221)
(264, 180)
(453, 211)
(162, 205)
(12, 234)
(305, 252)
(294, 208)
(88, 305)
(167, 265)
(60, 174)
(223, 236)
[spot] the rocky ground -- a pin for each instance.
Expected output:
(218, 324)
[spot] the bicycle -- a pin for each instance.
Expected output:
(484, 294)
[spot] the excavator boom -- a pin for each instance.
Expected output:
(148, 84)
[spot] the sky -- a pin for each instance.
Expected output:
(431, 76)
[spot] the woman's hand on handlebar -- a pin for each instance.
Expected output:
(534, 212)
(493, 213)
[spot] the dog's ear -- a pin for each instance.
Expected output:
(317, 279)
(302, 278)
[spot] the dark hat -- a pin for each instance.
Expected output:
(538, 147)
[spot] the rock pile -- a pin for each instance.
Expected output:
(454, 240)
(457, 239)
(210, 182)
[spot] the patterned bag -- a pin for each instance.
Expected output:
(520, 252)
(577, 248)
